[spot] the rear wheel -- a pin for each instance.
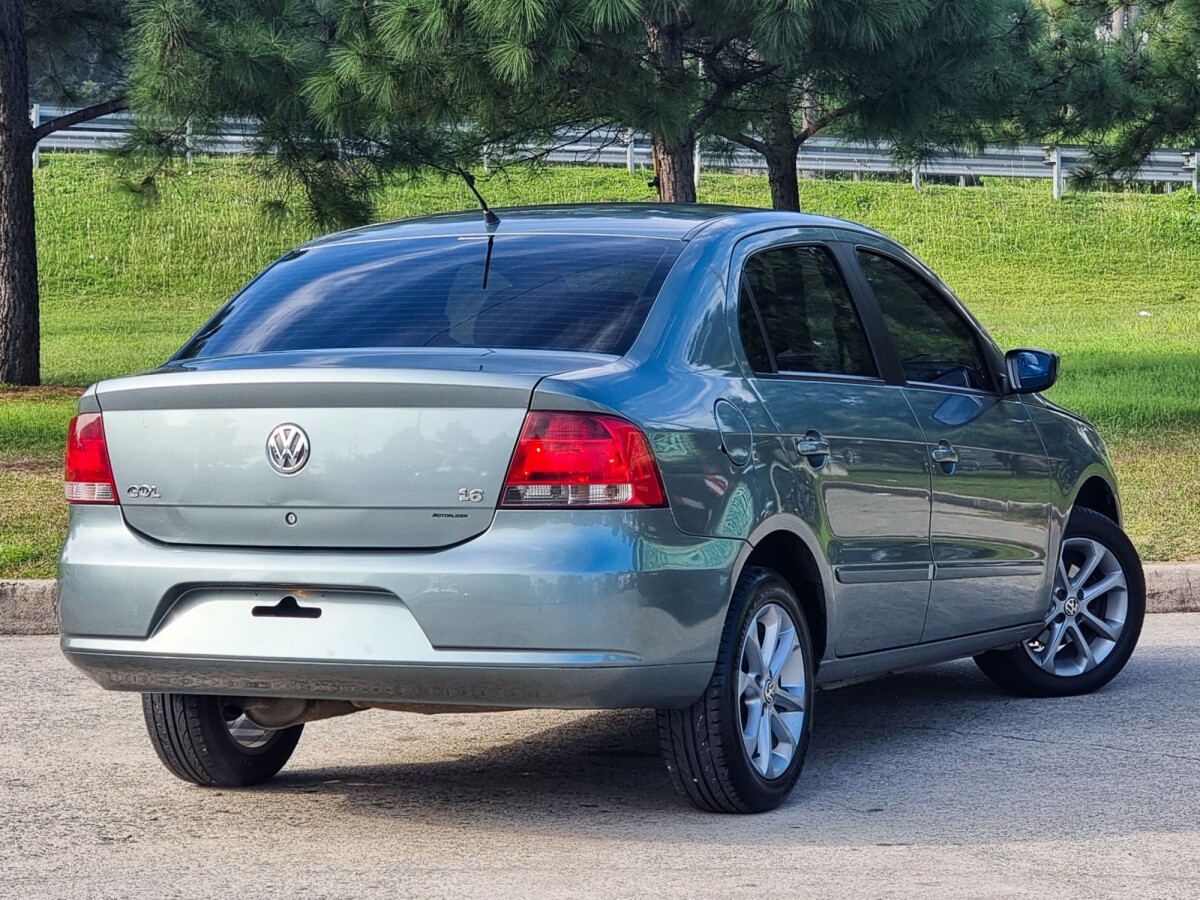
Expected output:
(1093, 620)
(208, 741)
(740, 747)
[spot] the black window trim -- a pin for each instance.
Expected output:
(820, 376)
(982, 347)
(790, 375)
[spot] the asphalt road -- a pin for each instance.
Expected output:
(930, 784)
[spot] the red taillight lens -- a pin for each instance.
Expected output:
(88, 474)
(577, 460)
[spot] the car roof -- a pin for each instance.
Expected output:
(670, 221)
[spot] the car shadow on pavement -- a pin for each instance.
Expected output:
(937, 755)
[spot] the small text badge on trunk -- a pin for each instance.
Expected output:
(287, 448)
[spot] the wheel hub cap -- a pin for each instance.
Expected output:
(769, 691)
(1071, 607)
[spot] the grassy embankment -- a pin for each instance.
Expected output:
(1111, 281)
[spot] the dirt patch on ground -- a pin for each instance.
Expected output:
(43, 467)
(41, 392)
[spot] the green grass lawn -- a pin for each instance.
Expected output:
(1110, 280)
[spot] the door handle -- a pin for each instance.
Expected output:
(945, 456)
(814, 448)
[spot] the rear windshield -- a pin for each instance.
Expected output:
(530, 292)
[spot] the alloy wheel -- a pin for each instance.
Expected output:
(1087, 612)
(771, 691)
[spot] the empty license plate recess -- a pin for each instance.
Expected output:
(281, 622)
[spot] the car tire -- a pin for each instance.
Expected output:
(740, 747)
(1094, 618)
(207, 742)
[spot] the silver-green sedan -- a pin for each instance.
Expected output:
(701, 459)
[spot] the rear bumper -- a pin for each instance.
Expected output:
(583, 609)
(504, 687)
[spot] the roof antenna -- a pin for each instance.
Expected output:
(489, 218)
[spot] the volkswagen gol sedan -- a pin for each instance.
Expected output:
(700, 459)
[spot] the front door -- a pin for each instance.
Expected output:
(990, 526)
(858, 454)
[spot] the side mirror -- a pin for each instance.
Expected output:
(1030, 371)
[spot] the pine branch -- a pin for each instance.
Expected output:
(746, 141)
(820, 123)
(79, 115)
(726, 90)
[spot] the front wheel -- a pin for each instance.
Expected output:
(1092, 622)
(209, 741)
(740, 747)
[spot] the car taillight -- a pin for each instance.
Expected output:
(578, 460)
(88, 474)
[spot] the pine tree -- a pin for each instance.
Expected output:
(631, 62)
(54, 33)
(334, 100)
(924, 75)
(1153, 95)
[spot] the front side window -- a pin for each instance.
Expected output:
(806, 310)
(935, 344)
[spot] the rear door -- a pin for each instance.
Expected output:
(991, 484)
(858, 455)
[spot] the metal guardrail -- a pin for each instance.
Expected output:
(819, 156)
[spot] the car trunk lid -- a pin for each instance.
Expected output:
(407, 455)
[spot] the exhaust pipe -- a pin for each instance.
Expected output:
(274, 713)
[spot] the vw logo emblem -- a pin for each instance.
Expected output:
(287, 449)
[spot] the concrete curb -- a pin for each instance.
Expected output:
(31, 607)
(1172, 587)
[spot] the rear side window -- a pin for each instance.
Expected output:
(560, 292)
(935, 345)
(806, 310)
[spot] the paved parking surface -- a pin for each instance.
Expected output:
(929, 784)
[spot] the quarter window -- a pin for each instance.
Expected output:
(935, 345)
(752, 337)
(805, 307)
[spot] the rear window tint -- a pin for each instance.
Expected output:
(529, 292)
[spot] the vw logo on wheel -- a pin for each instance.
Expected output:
(287, 449)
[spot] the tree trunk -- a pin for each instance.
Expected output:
(784, 182)
(674, 160)
(780, 146)
(19, 341)
(674, 166)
